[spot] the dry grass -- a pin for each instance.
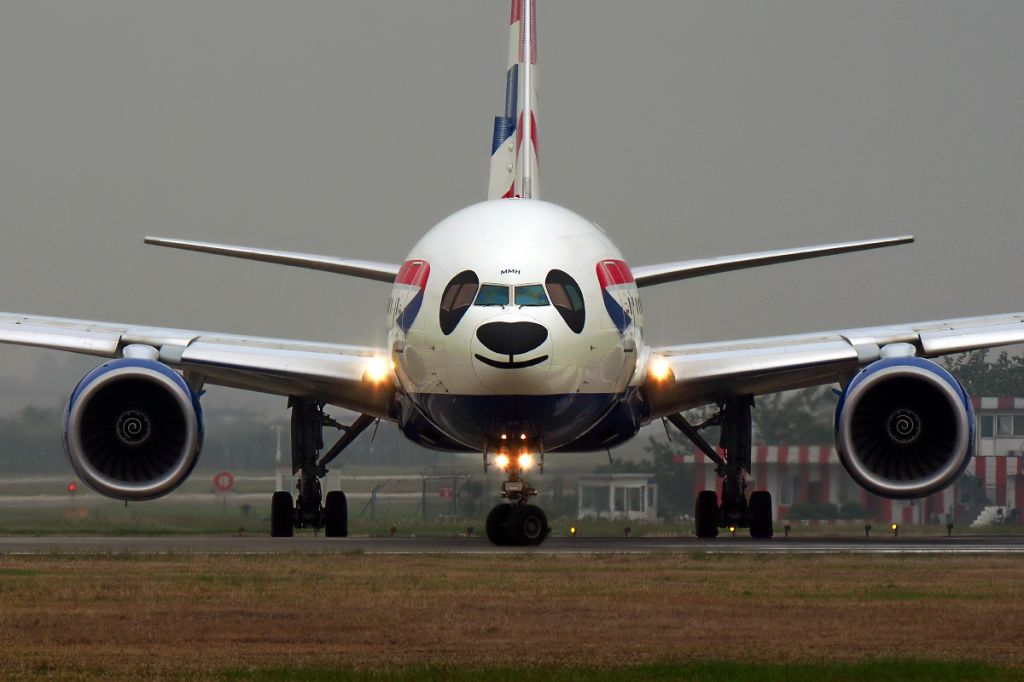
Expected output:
(195, 615)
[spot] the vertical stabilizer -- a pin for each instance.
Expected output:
(514, 167)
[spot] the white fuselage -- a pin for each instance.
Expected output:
(513, 358)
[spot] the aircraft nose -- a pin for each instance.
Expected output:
(511, 338)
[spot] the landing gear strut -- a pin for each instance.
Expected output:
(735, 510)
(516, 522)
(307, 422)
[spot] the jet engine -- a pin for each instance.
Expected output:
(904, 428)
(133, 429)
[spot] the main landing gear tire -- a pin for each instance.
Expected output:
(519, 526)
(282, 513)
(336, 515)
(705, 515)
(761, 514)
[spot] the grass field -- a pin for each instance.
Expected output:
(657, 617)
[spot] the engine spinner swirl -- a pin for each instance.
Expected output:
(904, 426)
(133, 427)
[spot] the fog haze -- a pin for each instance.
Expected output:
(685, 129)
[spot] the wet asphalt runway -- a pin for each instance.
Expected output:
(478, 545)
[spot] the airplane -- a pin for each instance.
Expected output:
(515, 331)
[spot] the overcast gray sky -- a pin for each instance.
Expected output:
(349, 128)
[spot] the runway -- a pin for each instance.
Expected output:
(478, 545)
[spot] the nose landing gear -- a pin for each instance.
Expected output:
(517, 522)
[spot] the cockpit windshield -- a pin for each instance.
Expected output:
(492, 294)
(531, 294)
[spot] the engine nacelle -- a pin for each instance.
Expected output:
(904, 428)
(133, 429)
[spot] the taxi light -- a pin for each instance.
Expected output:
(659, 369)
(377, 370)
(501, 461)
(525, 461)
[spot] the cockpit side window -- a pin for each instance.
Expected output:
(531, 295)
(492, 294)
(456, 299)
(566, 296)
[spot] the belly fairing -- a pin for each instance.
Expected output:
(471, 419)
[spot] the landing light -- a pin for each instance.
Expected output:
(377, 370)
(659, 369)
(501, 461)
(525, 461)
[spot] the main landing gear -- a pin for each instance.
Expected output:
(310, 509)
(735, 509)
(516, 522)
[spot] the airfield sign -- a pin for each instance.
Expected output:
(224, 481)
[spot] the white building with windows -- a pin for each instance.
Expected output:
(618, 496)
(1000, 425)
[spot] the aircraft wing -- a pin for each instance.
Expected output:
(706, 372)
(649, 275)
(381, 272)
(335, 374)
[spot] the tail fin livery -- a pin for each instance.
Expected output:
(514, 167)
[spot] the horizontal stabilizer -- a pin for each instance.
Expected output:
(382, 272)
(649, 275)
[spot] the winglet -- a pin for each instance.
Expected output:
(649, 275)
(381, 272)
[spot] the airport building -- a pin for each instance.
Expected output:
(632, 496)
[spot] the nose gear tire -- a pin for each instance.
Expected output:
(497, 525)
(528, 525)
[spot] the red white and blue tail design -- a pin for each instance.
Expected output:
(514, 167)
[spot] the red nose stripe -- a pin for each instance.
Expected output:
(414, 273)
(613, 272)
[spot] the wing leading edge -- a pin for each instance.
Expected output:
(705, 372)
(649, 275)
(331, 373)
(381, 272)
